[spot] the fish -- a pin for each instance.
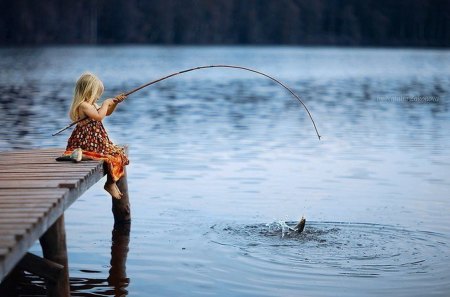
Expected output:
(299, 227)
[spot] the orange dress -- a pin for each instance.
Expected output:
(91, 137)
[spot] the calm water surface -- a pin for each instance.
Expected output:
(221, 158)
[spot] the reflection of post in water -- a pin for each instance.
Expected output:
(119, 251)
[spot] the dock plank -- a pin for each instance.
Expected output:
(35, 190)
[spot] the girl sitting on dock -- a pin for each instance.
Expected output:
(89, 138)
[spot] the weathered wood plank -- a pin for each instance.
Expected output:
(44, 166)
(15, 232)
(54, 163)
(31, 153)
(31, 197)
(7, 241)
(51, 191)
(36, 229)
(14, 221)
(40, 177)
(33, 200)
(41, 267)
(13, 175)
(16, 171)
(24, 215)
(8, 208)
(40, 159)
(37, 184)
(35, 189)
(37, 161)
(34, 192)
(48, 173)
(46, 169)
(84, 164)
(30, 194)
(18, 226)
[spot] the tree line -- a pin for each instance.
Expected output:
(302, 22)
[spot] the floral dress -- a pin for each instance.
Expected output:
(91, 137)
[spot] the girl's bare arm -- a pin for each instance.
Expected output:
(111, 108)
(92, 112)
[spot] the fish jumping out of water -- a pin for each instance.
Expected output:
(300, 226)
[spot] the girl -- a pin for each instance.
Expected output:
(90, 136)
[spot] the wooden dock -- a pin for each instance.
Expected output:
(35, 190)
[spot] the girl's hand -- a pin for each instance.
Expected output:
(119, 98)
(109, 101)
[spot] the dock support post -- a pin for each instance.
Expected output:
(121, 207)
(54, 248)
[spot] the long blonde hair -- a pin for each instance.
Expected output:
(88, 88)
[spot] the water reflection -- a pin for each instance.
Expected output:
(117, 281)
(119, 251)
(21, 283)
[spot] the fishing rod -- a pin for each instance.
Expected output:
(205, 67)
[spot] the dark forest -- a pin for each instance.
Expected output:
(301, 22)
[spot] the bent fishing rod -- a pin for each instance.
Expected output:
(205, 67)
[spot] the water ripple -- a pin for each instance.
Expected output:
(330, 249)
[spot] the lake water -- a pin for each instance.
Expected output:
(221, 158)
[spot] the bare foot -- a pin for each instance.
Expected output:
(120, 193)
(112, 189)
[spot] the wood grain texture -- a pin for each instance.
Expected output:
(35, 190)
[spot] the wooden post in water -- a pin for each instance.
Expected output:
(54, 248)
(121, 207)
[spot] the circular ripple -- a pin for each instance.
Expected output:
(405, 259)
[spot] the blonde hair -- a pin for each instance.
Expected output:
(88, 88)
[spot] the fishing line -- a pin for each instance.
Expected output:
(205, 67)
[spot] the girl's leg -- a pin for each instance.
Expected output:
(111, 187)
